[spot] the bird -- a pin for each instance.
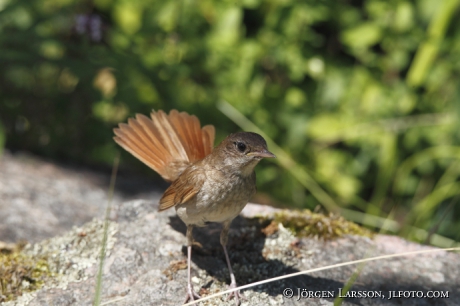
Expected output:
(207, 185)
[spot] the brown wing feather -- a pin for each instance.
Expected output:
(183, 189)
(164, 141)
(167, 200)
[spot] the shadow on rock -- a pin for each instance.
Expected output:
(251, 263)
(246, 245)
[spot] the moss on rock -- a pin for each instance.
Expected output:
(309, 224)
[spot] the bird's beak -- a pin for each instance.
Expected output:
(263, 153)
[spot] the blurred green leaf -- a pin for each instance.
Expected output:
(2, 138)
(361, 100)
(428, 51)
(362, 36)
(128, 16)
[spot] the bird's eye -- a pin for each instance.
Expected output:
(241, 146)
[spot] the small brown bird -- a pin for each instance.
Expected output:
(207, 185)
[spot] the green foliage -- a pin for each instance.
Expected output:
(363, 95)
(2, 138)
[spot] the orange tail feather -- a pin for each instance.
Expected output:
(166, 143)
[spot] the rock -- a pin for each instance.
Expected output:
(146, 259)
(146, 256)
(40, 199)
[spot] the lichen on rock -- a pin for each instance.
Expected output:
(55, 262)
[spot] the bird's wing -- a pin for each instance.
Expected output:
(183, 189)
(166, 143)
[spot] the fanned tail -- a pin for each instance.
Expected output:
(166, 143)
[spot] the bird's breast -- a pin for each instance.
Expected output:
(221, 198)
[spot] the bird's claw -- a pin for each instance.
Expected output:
(191, 295)
(238, 296)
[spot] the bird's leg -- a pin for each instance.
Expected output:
(191, 294)
(223, 241)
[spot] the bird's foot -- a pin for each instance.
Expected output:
(238, 296)
(191, 295)
(197, 244)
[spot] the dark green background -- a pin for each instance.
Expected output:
(362, 95)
